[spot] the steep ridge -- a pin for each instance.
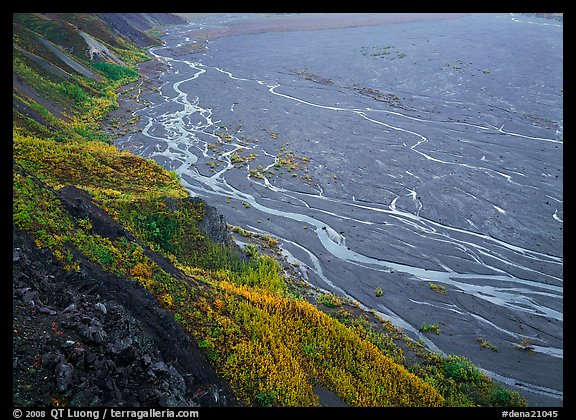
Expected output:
(97, 339)
(128, 292)
(100, 340)
(133, 25)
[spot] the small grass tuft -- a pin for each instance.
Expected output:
(484, 343)
(438, 288)
(430, 328)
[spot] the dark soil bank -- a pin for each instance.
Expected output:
(90, 338)
(419, 156)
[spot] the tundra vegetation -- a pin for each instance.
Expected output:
(267, 341)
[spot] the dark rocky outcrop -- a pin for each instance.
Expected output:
(214, 226)
(90, 338)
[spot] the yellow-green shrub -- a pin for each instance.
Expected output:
(286, 344)
(94, 166)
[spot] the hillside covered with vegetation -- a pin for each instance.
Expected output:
(112, 264)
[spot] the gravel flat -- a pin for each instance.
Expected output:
(390, 152)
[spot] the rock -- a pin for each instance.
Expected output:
(51, 359)
(16, 254)
(101, 307)
(159, 368)
(124, 351)
(76, 357)
(89, 359)
(121, 345)
(146, 360)
(29, 296)
(32, 298)
(64, 375)
(47, 311)
(71, 308)
(93, 332)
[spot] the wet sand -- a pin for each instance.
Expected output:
(428, 151)
(230, 25)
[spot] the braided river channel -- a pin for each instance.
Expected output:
(407, 153)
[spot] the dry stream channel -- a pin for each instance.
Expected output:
(390, 155)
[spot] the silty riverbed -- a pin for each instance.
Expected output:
(399, 154)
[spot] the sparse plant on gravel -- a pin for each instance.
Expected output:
(438, 288)
(485, 344)
(430, 328)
